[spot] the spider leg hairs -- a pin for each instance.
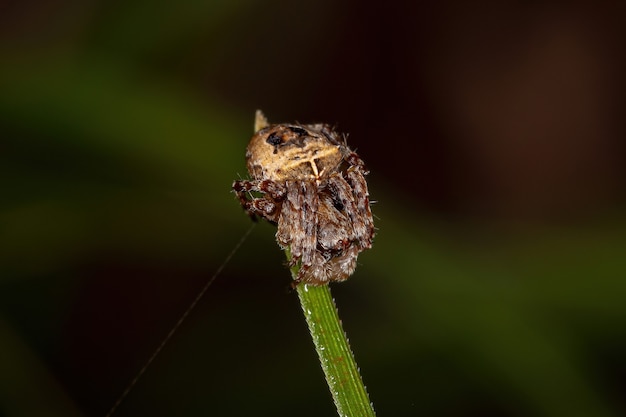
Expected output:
(308, 182)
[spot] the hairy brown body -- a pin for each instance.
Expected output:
(309, 183)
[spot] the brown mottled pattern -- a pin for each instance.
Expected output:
(313, 187)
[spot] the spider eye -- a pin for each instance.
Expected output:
(274, 139)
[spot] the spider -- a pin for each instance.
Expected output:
(312, 186)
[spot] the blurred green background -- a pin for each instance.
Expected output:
(494, 135)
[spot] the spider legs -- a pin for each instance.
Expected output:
(265, 207)
(344, 265)
(365, 230)
(355, 161)
(351, 195)
(297, 226)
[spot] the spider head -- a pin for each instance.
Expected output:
(293, 152)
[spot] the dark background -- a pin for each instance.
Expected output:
(494, 134)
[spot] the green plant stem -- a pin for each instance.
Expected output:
(335, 355)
